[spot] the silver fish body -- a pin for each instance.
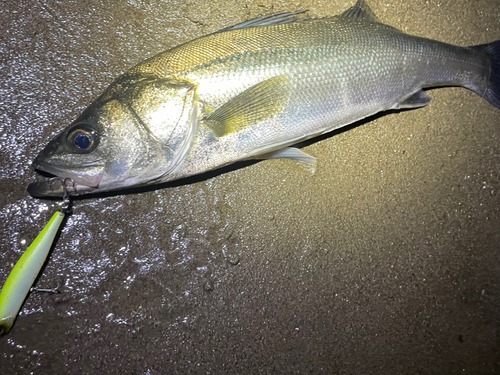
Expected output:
(250, 92)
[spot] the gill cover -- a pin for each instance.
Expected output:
(166, 110)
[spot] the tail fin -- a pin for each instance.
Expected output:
(492, 91)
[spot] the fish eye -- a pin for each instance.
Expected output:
(82, 139)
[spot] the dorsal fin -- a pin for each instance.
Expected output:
(361, 11)
(276, 19)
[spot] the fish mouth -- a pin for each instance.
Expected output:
(85, 178)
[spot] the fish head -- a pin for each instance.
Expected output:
(136, 132)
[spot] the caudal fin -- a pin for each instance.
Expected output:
(492, 91)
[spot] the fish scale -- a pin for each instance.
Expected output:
(250, 92)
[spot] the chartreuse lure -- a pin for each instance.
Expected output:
(26, 270)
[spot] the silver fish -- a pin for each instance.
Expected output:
(251, 91)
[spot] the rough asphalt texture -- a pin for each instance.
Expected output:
(385, 261)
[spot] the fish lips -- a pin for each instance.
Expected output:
(85, 177)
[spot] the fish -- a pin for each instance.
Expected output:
(251, 92)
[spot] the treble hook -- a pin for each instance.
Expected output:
(67, 184)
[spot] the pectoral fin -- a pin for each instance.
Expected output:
(258, 103)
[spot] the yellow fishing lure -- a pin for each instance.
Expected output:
(26, 270)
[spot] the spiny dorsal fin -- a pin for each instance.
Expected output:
(257, 103)
(276, 19)
(361, 11)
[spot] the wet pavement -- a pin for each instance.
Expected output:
(384, 261)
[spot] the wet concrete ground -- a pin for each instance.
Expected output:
(385, 261)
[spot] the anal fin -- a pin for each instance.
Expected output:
(291, 153)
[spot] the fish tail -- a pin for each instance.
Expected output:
(491, 89)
